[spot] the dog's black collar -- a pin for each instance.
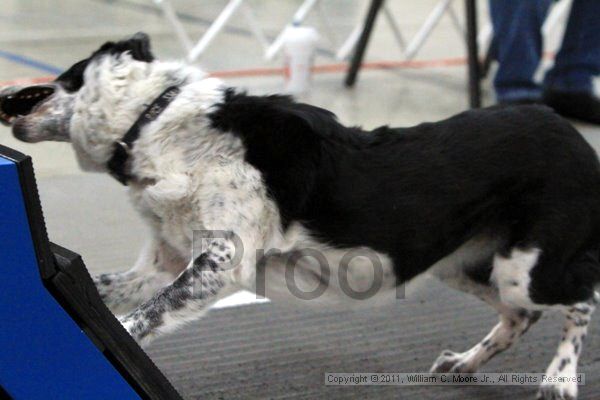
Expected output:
(122, 148)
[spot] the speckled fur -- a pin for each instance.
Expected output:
(193, 177)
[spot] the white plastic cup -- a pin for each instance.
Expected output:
(299, 46)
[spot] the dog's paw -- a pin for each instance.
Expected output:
(138, 329)
(451, 362)
(557, 391)
(103, 283)
(127, 323)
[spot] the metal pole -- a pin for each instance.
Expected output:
(171, 17)
(362, 42)
(346, 48)
(349, 43)
(298, 18)
(430, 23)
(473, 55)
(254, 26)
(214, 29)
(387, 13)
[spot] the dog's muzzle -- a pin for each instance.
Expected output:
(23, 101)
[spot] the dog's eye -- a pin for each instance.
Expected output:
(23, 102)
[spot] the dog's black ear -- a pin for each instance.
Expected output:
(138, 46)
(72, 79)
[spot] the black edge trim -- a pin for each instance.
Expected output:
(73, 288)
(65, 276)
(4, 394)
(33, 208)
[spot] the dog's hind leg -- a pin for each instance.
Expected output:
(156, 267)
(469, 270)
(536, 279)
(564, 363)
(513, 324)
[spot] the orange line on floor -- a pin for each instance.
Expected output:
(26, 81)
(342, 67)
(318, 69)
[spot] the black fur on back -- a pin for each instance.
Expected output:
(418, 193)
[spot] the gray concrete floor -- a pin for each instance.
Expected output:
(89, 213)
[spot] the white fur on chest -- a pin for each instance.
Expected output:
(166, 208)
(217, 195)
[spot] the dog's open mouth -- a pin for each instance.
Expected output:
(23, 102)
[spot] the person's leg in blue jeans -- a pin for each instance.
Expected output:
(568, 85)
(518, 47)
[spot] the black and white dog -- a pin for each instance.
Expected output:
(503, 203)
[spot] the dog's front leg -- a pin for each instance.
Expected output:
(157, 266)
(238, 219)
(202, 283)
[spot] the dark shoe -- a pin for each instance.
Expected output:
(579, 105)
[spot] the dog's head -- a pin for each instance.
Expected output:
(85, 103)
